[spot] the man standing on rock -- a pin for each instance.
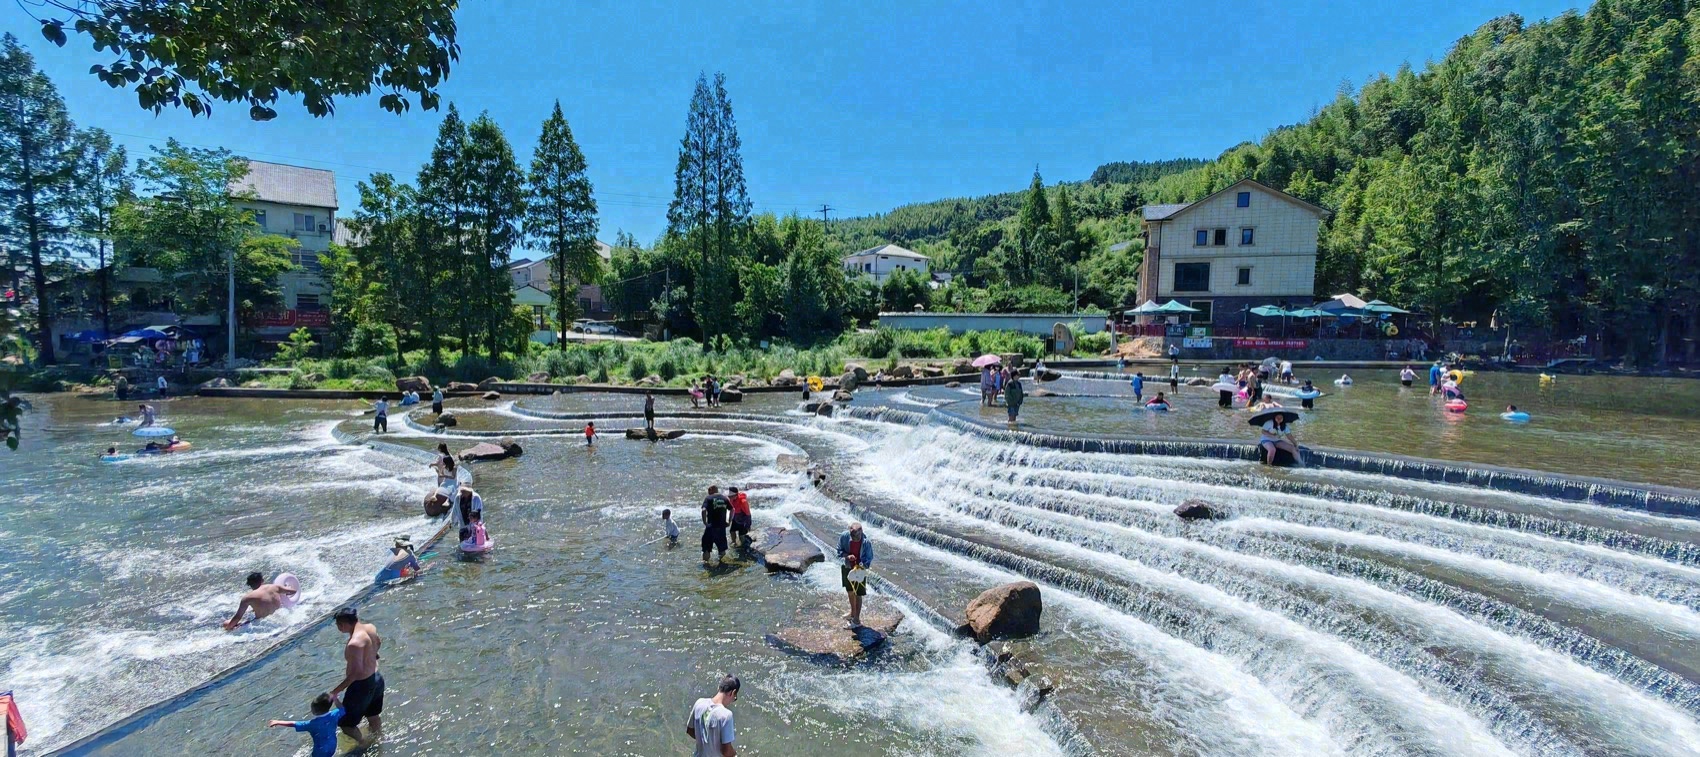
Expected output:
(649, 411)
(715, 512)
(710, 724)
(437, 400)
(853, 543)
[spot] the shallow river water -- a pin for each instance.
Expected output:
(1330, 613)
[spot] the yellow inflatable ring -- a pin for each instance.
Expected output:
(815, 384)
(1456, 376)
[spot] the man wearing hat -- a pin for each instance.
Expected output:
(402, 564)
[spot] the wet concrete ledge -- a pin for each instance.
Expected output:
(1653, 498)
(525, 387)
(316, 394)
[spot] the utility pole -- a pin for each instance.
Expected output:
(823, 210)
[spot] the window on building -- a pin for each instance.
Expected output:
(584, 305)
(1245, 236)
(307, 260)
(867, 267)
(1221, 237)
(1244, 277)
(1243, 200)
(1192, 277)
(305, 222)
(1204, 308)
(308, 302)
(1203, 238)
(260, 219)
(539, 318)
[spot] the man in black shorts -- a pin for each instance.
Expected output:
(649, 411)
(715, 509)
(364, 686)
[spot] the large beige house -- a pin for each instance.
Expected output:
(879, 263)
(1245, 246)
(299, 203)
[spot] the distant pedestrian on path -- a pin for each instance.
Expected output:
(649, 411)
(710, 724)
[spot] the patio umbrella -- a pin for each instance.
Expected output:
(1175, 306)
(1269, 311)
(1312, 313)
(985, 360)
(1268, 415)
(90, 335)
(1149, 307)
(1377, 306)
(148, 334)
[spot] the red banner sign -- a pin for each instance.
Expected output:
(1271, 344)
(293, 318)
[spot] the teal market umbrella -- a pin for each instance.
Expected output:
(1377, 306)
(1175, 306)
(1269, 311)
(1148, 308)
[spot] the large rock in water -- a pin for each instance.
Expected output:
(492, 395)
(461, 386)
(859, 370)
(786, 549)
(488, 451)
(489, 383)
(1195, 509)
(645, 435)
(1046, 375)
(538, 377)
(848, 382)
(418, 384)
(448, 419)
(786, 377)
(820, 631)
(842, 396)
(1010, 610)
(731, 395)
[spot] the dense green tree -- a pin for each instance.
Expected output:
(381, 278)
(36, 165)
(711, 207)
(903, 290)
(189, 55)
(496, 201)
(561, 215)
(189, 226)
(441, 237)
(101, 181)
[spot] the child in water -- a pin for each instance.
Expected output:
(671, 528)
(1308, 403)
(322, 727)
(590, 434)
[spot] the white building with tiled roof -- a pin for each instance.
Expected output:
(299, 203)
(1245, 246)
(880, 262)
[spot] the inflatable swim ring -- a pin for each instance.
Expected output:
(153, 431)
(114, 458)
(1457, 376)
(1343, 382)
(1456, 406)
(290, 582)
(1158, 407)
(1224, 387)
(1517, 417)
(475, 548)
(1310, 395)
(178, 447)
(816, 384)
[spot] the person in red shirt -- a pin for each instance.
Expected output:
(590, 434)
(741, 518)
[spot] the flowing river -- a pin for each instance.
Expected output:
(1330, 612)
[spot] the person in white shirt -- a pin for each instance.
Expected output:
(710, 724)
(1276, 435)
(381, 416)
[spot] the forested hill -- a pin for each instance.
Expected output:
(1107, 194)
(1547, 172)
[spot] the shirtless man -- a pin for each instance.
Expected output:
(263, 598)
(362, 682)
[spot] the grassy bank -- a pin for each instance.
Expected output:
(676, 363)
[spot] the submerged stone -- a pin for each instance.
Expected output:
(786, 549)
(488, 451)
(639, 434)
(1010, 610)
(820, 631)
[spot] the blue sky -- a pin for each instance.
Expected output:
(863, 107)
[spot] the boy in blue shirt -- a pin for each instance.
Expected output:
(326, 711)
(1138, 383)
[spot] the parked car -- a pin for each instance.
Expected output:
(580, 325)
(606, 329)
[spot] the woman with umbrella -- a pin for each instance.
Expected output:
(1275, 434)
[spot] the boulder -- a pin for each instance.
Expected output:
(656, 435)
(1195, 509)
(649, 381)
(434, 507)
(314, 378)
(731, 395)
(538, 377)
(818, 408)
(1046, 375)
(953, 384)
(1013, 360)
(413, 384)
(819, 632)
(217, 383)
(848, 382)
(461, 386)
(737, 380)
(492, 395)
(448, 419)
(842, 396)
(786, 549)
(902, 372)
(931, 371)
(1010, 610)
(963, 367)
(786, 377)
(489, 383)
(858, 369)
(1199, 381)
(488, 451)
(582, 378)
